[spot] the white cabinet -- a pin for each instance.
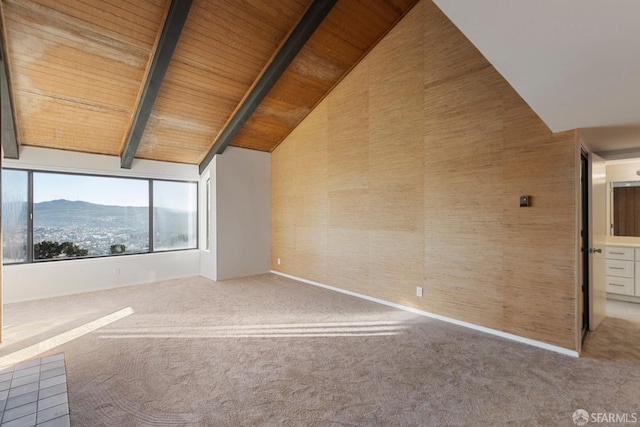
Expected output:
(617, 252)
(623, 270)
(620, 285)
(621, 263)
(620, 268)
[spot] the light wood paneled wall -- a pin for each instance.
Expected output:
(347, 33)
(409, 174)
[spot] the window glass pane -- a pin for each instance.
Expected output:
(76, 215)
(175, 209)
(207, 235)
(15, 193)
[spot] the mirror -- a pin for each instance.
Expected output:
(626, 208)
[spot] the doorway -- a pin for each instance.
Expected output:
(585, 178)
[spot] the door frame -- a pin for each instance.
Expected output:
(584, 230)
(590, 264)
(598, 231)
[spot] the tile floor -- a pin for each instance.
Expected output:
(34, 393)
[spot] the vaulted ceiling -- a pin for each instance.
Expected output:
(167, 80)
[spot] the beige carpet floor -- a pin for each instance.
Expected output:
(270, 351)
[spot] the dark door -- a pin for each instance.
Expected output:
(584, 239)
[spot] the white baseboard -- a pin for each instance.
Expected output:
(495, 332)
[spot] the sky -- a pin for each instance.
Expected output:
(110, 191)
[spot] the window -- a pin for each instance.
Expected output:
(175, 215)
(75, 215)
(15, 219)
(207, 235)
(48, 215)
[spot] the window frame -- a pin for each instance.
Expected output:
(30, 229)
(29, 240)
(207, 207)
(152, 206)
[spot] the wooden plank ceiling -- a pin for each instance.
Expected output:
(76, 69)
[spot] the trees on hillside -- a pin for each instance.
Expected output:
(118, 249)
(48, 249)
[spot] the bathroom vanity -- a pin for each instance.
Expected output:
(623, 271)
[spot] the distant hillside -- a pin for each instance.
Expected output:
(61, 212)
(96, 227)
(57, 213)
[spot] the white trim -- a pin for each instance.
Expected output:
(495, 332)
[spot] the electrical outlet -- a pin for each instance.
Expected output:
(278, 261)
(418, 291)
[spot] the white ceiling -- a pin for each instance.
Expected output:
(575, 62)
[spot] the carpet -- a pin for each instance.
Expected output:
(270, 351)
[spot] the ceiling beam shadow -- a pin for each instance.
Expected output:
(173, 25)
(10, 141)
(288, 50)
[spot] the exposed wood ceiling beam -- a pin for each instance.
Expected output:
(311, 20)
(10, 141)
(176, 18)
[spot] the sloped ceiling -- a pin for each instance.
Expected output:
(575, 62)
(77, 69)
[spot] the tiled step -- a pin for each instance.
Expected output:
(34, 393)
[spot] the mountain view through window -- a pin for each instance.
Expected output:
(99, 215)
(90, 216)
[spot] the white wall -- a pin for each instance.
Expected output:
(69, 161)
(243, 213)
(623, 170)
(208, 260)
(48, 279)
(240, 226)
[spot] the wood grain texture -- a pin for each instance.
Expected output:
(223, 48)
(396, 164)
(346, 35)
(283, 207)
(540, 242)
(348, 182)
(428, 151)
(78, 67)
(311, 197)
(94, 56)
